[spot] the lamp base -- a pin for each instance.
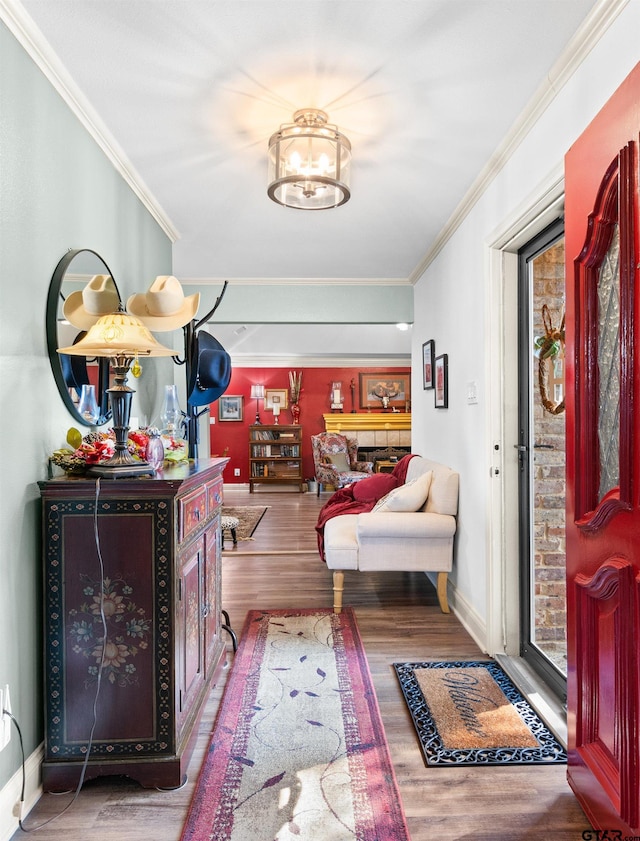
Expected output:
(121, 466)
(121, 471)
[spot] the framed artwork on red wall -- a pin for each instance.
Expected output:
(276, 396)
(230, 407)
(385, 389)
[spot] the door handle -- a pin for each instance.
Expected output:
(522, 450)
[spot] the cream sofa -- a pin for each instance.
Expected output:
(382, 541)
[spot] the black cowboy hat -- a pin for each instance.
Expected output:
(74, 371)
(210, 370)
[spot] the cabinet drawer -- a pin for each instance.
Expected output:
(214, 495)
(192, 511)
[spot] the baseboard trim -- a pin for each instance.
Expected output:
(472, 622)
(10, 793)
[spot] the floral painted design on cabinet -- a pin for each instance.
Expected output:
(127, 631)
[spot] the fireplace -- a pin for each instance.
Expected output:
(381, 436)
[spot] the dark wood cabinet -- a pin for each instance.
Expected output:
(147, 551)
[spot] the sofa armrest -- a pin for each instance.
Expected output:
(409, 525)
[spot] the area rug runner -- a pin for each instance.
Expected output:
(298, 749)
(249, 517)
(470, 713)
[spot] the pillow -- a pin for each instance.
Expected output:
(374, 487)
(339, 460)
(409, 497)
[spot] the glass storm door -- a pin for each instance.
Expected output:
(603, 464)
(541, 452)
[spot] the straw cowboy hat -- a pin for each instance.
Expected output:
(210, 370)
(99, 297)
(164, 307)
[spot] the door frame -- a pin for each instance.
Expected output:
(529, 651)
(502, 597)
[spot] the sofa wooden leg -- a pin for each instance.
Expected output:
(442, 592)
(338, 587)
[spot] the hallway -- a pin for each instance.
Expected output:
(399, 620)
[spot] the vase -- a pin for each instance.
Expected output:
(171, 414)
(88, 406)
(295, 413)
(155, 451)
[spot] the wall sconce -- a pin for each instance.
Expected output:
(257, 393)
(336, 401)
(122, 338)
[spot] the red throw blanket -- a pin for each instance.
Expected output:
(343, 500)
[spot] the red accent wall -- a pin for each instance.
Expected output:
(233, 436)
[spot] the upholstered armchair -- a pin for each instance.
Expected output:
(335, 458)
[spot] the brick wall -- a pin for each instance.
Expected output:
(549, 475)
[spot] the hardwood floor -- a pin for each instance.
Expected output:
(399, 619)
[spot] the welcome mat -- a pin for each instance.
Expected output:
(298, 749)
(249, 517)
(470, 713)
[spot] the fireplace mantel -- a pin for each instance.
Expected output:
(367, 422)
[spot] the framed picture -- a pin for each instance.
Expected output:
(428, 356)
(230, 407)
(385, 390)
(276, 396)
(442, 381)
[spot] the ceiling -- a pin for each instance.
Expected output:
(189, 91)
(184, 95)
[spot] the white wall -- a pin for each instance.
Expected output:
(452, 306)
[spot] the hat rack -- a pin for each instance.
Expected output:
(192, 415)
(100, 297)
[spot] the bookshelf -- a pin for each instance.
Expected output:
(275, 455)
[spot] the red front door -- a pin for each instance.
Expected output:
(603, 464)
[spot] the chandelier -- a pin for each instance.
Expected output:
(309, 163)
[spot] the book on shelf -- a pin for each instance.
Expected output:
(261, 451)
(263, 435)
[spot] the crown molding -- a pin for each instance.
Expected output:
(589, 33)
(297, 281)
(22, 27)
(239, 360)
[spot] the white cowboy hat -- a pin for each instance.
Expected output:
(99, 297)
(164, 307)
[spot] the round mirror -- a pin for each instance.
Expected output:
(72, 274)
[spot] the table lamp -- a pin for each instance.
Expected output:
(257, 393)
(122, 338)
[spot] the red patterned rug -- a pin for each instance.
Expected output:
(298, 750)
